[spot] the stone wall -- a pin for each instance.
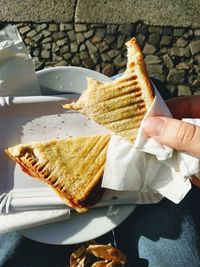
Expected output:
(172, 54)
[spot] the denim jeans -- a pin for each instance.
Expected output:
(164, 234)
(154, 235)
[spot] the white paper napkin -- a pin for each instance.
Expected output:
(148, 166)
(22, 220)
(17, 74)
(18, 78)
(45, 199)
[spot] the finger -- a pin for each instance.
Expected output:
(195, 180)
(174, 133)
(184, 107)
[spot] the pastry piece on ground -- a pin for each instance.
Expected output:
(119, 105)
(72, 167)
(98, 255)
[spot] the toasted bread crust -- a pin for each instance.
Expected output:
(140, 70)
(75, 182)
(119, 105)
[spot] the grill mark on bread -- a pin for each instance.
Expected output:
(99, 150)
(96, 156)
(133, 131)
(117, 116)
(127, 77)
(121, 111)
(124, 79)
(117, 101)
(130, 93)
(79, 186)
(126, 123)
(116, 92)
(101, 162)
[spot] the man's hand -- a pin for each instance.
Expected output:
(175, 133)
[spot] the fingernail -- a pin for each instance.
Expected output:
(153, 126)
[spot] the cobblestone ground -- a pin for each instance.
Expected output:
(172, 55)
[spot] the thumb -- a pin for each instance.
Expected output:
(174, 133)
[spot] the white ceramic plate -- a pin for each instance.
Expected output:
(98, 221)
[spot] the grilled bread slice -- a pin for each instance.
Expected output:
(119, 105)
(72, 167)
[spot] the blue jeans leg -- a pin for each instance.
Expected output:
(158, 235)
(164, 234)
(18, 251)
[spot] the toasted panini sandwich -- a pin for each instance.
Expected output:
(72, 167)
(119, 105)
